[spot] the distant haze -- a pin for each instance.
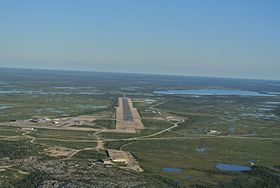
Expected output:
(238, 38)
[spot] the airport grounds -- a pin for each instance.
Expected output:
(176, 135)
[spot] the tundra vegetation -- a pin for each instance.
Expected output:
(177, 131)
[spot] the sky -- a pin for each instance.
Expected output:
(219, 38)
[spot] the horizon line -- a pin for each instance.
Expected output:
(138, 73)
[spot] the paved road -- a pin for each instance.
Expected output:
(127, 115)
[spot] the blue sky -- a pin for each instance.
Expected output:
(234, 38)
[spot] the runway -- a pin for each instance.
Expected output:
(127, 115)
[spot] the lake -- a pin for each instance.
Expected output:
(172, 170)
(214, 92)
(232, 167)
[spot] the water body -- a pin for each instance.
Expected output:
(32, 92)
(231, 130)
(232, 167)
(202, 149)
(261, 115)
(5, 107)
(172, 170)
(214, 92)
(272, 102)
(274, 93)
(278, 85)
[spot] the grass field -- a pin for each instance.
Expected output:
(63, 134)
(198, 157)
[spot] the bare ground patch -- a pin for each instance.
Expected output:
(59, 152)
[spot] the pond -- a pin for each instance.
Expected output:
(232, 167)
(172, 170)
(213, 92)
(5, 107)
(202, 149)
